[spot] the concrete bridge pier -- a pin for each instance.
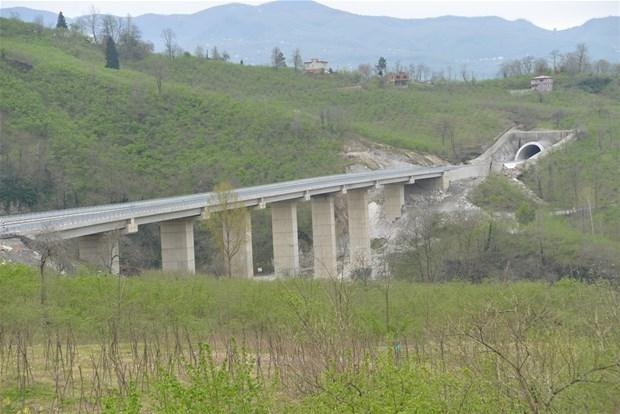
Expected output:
(359, 237)
(394, 200)
(324, 236)
(100, 250)
(177, 245)
(284, 233)
(242, 263)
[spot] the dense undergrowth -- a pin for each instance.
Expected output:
(170, 343)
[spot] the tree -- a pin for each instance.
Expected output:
(110, 27)
(215, 54)
(130, 44)
(555, 56)
(227, 224)
(365, 71)
(602, 66)
(61, 23)
(298, 62)
(277, 58)
(39, 25)
(541, 66)
(92, 22)
(582, 57)
(199, 52)
(381, 66)
(169, 43)
(111, 55)
(527, 63)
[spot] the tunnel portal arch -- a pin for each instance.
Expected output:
(528, 150)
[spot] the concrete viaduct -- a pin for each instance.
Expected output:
(175, 215)
(92, 226)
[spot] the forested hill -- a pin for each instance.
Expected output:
(76, 133)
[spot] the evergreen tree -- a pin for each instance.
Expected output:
(61, 23)
(381, 66)
(111, 55)
(277, 58)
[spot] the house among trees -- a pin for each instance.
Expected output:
(400, 79)
(315, 65)
(542, 83)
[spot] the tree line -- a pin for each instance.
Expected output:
(572, 63)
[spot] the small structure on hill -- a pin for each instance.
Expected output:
(542, 83)
(400, 79)
(315, 65)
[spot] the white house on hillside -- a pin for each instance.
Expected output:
(315, 65)
(542, 83)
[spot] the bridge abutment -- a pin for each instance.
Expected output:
(324, 236)
(100, 250)
(284, 233)
(177, 245)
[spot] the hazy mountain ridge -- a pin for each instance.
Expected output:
(345, 39)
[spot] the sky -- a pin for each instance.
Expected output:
(547, 14)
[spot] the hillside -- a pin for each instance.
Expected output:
(346, 40)
(215, 119)
(76, 134)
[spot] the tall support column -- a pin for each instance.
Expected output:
(100, 250)
(284, 232)
(242, 264)
(177, 245)
(324, 236)
(394, 200)
(359, 238)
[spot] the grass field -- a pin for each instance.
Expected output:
(173, 343)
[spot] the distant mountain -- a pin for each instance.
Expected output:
(346, 39)
(30, 15)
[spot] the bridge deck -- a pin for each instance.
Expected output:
(78, 222)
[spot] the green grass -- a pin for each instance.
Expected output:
(323, 346)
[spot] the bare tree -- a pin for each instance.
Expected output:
(51, 249)
(39, 25)
(541, 66)
(527, 63)
(199, 52)
(555, 57)
(91, 21)
(582, 56)
(365, 71)
(110, 27)
(464, 73)
(602, 66)
(227, 224)
(169, 43)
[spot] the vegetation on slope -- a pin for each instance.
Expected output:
(214, 119)
(75, 133)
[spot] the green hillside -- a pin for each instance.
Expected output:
(90, 128)
(75, 133)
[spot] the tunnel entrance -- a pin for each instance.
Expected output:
(528, 150)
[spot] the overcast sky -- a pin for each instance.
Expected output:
(547, 14)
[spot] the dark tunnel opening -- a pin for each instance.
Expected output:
(527, 151)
